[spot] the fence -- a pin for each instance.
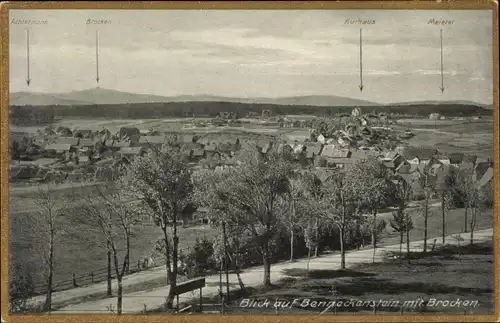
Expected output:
(94, 276)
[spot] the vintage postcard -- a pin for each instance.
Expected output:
(309, 161)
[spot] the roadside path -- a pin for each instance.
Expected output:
(138, 301)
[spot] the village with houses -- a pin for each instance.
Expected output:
(59, 154)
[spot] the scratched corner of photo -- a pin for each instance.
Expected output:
(216, 159)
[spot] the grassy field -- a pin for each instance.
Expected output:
(165, 125)
(450, 136)
(448, 273)
(73, 256)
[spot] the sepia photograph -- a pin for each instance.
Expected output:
(250, 162)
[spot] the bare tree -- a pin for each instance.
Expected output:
(408, 226)
(427, 182)
(46, 226)
(338, 202)
(295, 207)
(107, 212)
(368, 178)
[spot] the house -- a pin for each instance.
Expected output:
(417, 155)
(403, 168)
(312, 150)
(210, 149)
(264, 146)
(151, 141)
(67, 141)
(227, 148)
(335, 156)
(445, 160)
(456, 158)
(434, 116)
(82, 133)
(187, 139)
(63, 131)
(197, 154)
(356, 112)
(131, 151)
(57, 149)
(86, 143)
(128, 132)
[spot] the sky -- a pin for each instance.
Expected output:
(271, 53)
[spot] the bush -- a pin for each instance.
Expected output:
(21, 289)
(199, 259)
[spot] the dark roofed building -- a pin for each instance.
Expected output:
(313, 150)
(67, 141)
(456, 158)
(129, 132)
(82, 133)
(58, 148)
(88, 143)
(197, 154)
(419, 154)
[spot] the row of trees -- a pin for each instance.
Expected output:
(255, 205)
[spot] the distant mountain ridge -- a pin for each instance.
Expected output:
(459, 102)
(106, 96)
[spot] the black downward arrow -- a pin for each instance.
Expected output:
(442, 74)
(97, 55)
(361, 86)
(28, 79)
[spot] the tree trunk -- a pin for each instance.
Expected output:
(173, 274)
(226, 262)
(316, 247)
(472, 224)
(443, 217)
(401, 234)
(465, 220)
(408, 244)
(266, 259)
(48, 297)
(342, 248)
(291, 245)
(426, 216)
(109, 292)
(170, 297)
(119, 301)
(237, 266)
(308, 259)
(374, 235)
